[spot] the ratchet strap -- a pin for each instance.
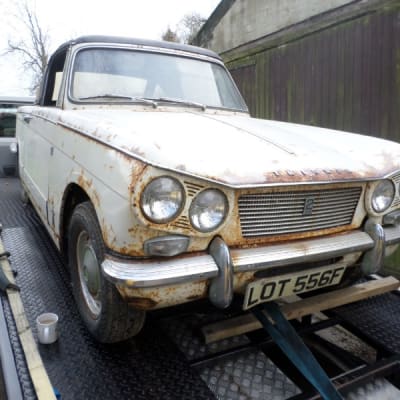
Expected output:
(285, 336)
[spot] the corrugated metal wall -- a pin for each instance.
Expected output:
(345, 77)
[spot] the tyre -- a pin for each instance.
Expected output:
(108, 318)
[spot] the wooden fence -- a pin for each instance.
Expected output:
(344, 76)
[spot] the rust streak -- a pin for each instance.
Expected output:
(142, 303)
(310, 175)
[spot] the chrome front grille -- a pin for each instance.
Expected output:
(289, 212)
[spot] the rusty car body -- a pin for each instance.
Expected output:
(158, 187)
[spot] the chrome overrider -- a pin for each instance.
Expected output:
(217, 265)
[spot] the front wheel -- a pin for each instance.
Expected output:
(108, 318)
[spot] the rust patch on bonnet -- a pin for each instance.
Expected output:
(283, 177)
(307, 175)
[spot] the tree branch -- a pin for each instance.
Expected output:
(33, 50)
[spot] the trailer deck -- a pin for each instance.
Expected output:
(169, 358)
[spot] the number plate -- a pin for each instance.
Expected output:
(272, 288)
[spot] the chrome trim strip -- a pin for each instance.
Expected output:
(147, 49)
(149, 273)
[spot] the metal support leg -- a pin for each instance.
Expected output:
(293, 346)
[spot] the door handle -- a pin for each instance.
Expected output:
(27, 118)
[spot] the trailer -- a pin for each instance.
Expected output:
(192, 351)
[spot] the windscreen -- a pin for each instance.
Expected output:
(120, 74)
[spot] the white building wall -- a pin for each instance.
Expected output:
(248, 20)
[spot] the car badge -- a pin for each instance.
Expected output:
(308, 205)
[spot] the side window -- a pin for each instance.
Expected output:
(7, 124)
(53, 77)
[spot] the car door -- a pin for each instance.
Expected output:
(34, 154)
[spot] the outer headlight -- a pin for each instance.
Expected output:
(382, 196)
(162, 199)
(208, 210)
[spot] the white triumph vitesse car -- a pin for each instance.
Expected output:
(158, 187)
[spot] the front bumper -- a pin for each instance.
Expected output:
(218, 268)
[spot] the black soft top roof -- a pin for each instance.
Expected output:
(140, 42)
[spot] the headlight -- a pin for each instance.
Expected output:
(382, 196)
(162, 199)
(208, 210)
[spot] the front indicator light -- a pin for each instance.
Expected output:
(166, 246)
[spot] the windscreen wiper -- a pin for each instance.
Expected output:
(122, 97)
(180, 101)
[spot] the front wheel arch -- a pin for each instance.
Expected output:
(73, 195)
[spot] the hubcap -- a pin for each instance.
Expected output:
(89, 273)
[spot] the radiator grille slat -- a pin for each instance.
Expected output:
(276, 213)
(294, 218)
(292, 202)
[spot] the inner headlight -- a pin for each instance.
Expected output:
(382, 196)
(208, 210)
(162, 199)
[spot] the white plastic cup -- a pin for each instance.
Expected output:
(47, 328)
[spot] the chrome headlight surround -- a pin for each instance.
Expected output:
(380, 196)
(208, 210)
(162, 199)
